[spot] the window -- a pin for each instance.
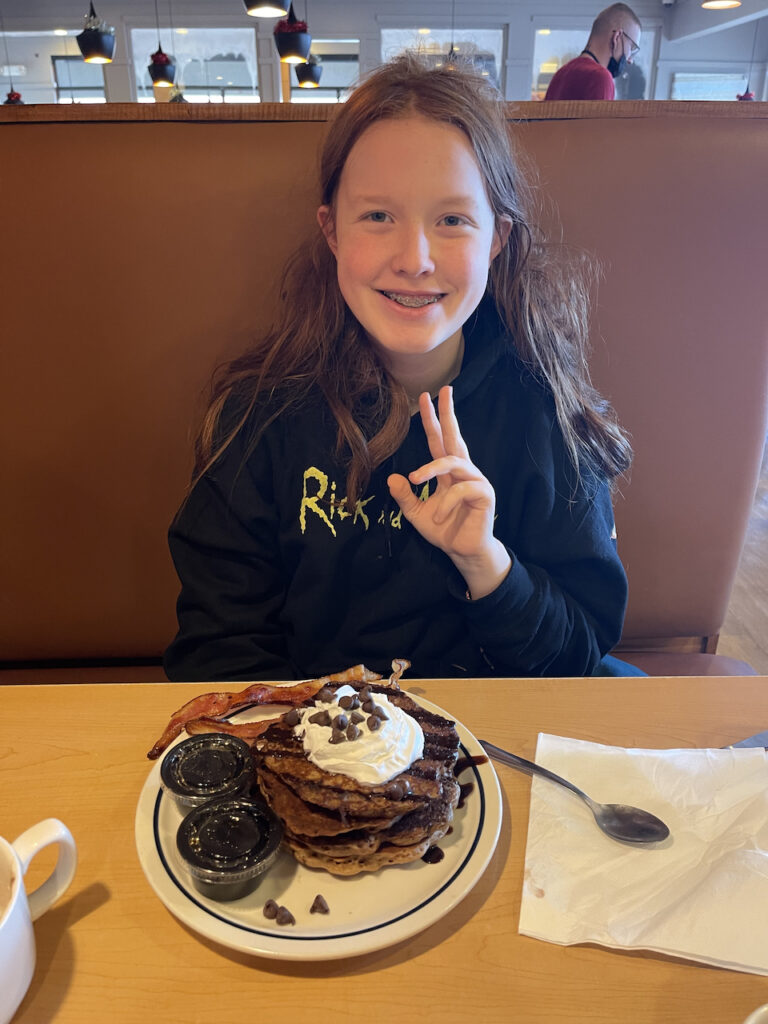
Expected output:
(699, 85)
(76, 81)
(47, 67)
(213, 65)
(483, 47)
(340, 63)
(555, 47)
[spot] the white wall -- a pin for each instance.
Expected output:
(727, 49)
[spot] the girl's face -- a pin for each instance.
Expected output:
(413, 235)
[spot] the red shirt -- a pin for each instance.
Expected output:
(581, 79)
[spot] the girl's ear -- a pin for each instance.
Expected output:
(500, 236)
(325, 220)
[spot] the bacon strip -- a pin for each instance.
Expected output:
(248, 731)
(212, 706)
(399, 665)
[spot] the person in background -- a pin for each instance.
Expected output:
(412, 463)
(613, 44)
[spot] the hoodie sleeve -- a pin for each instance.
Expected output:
(561, 607)
(224, 546)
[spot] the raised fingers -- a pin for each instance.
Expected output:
(443, 434)
(431, 426)
(453, 442)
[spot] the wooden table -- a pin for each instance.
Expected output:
(111, 951)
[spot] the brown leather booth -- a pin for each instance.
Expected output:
(141, 246)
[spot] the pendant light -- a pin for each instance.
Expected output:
(265, 9)
(308, 74)
(162, 69)
(292, 39)
(13, 98)
(97, 40)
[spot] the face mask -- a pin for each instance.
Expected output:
(617, 67)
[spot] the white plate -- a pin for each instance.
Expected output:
(367, 911)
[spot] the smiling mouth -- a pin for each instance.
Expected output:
(412, 301)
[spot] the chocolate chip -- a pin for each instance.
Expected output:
(365, 693)
(337, 736)
(326, 695)
(374, 723)
(356, 717)
(352, 731)
(292, 717)
(350, 702)
(340, 722)
(284, 916)
(270, 910)
(398, 789)
(319, 906)
(381, 713)
(368, 705)
(320, 718)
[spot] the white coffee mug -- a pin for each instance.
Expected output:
(758, 1016)
(18, 910)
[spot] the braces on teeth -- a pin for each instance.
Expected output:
(412, 300)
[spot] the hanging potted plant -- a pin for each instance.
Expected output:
(308, 75)
(292, 39)
(97, 40)
(13, 99)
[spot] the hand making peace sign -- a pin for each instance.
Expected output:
(458, 516)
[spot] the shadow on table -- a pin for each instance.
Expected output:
(397, 953)
(55, 947)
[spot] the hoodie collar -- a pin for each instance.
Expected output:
(485, 342)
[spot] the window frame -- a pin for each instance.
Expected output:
(66, 60)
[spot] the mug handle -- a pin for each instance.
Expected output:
(32, 842)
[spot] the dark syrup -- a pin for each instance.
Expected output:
(467, 762)
(433, 855)
(464, 790)
(470, 761)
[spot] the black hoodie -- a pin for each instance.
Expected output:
(281, 580)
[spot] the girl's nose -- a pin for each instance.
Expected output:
(412, 255)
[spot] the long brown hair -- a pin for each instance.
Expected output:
(316, 342)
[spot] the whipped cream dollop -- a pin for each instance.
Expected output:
(375, 756)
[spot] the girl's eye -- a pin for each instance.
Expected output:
(377, 216)
(453, 220)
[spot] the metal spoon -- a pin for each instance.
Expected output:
(619, 821)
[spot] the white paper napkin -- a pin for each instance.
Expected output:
(702, 894)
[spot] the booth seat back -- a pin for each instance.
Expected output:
(142, 247)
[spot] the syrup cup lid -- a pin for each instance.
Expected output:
(229, 840)
(206, 766)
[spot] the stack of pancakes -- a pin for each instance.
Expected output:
(334, 822)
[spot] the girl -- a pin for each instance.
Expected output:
(327, 523)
